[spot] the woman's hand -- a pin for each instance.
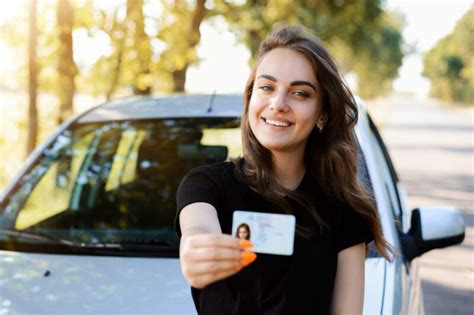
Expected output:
(206, 258)
(207, 255)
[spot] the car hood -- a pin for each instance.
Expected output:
(66, 284)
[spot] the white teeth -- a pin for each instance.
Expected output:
(276, 123)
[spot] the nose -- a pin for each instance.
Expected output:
(278, 103)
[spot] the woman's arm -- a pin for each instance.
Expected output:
(348, 295)
(199, 217)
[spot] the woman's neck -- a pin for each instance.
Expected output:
(289, 169)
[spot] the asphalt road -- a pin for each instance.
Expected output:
(432, 147)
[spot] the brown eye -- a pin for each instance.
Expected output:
(302, 94)
(265, 88)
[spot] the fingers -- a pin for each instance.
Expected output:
(204, 280)
(203, 274)
(203, 247)
(215, 253)
(248, 258)
(217, 266)
(215, 240)
(213, 267)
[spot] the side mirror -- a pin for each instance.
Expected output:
(432, 227)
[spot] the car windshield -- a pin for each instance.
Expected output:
(114, 182)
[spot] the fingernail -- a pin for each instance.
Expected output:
(238, 268)
(245, 244)
(248, 257)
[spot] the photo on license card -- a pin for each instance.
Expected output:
(269, 233)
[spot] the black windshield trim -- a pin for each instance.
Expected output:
(45, 248)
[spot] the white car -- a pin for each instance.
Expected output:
(87, 225)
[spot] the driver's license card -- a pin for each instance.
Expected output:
(269, 233)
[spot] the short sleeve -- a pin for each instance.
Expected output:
(199, 185)
(352, 229)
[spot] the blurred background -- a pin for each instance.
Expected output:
(411, 61)
(59, 57)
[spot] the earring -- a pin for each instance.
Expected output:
(320, 126)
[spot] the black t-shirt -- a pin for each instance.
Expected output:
(273, 284)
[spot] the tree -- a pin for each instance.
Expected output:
(107, 70)
(358, 33)
(253, 19)
(130, 63)
(138, 50)
(181, 34)
(33, 82)
(377, 63)
(67, 69)
(449, 64)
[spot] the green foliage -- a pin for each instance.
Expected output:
(130, 62)
(377, 63)
(449, 64)
(254, 19)
(133, 64)
(360, 35)
(180, 31)
(138, 50)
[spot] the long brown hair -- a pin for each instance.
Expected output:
(330, 155)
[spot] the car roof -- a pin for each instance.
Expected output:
(172, 106)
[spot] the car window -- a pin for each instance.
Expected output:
(387, 172)
(124, 163)
(55, 177)
(117, 181)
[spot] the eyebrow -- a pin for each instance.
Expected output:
(294, 83)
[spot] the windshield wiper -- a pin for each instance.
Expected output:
(34, 235)
(141, 245)
(123, 246)
(148, 242)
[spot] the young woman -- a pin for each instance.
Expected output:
(299, 158)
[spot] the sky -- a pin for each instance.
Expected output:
(224, 66)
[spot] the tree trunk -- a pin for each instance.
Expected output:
(67, 69)
(32, 82)
(141, 45)
(115, 74)
(118, 30)
(179, 79)
(194, 37)
(199, 14)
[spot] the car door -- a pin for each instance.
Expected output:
(403, 294)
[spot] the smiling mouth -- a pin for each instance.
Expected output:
(276, 123)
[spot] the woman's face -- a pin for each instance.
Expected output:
(243, 233)
(286, 102)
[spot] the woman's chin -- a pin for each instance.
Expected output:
(278, 147)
